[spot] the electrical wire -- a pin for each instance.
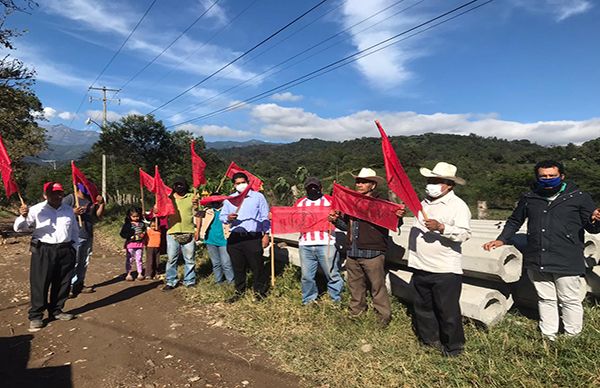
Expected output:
(240, 56)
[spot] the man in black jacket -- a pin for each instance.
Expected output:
(557, 214)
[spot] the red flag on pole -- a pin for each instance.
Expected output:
(4, 158)
(164, 204)
(79, 177)
(146, 180)
(304, 219)
(9, 181)
(254, 182)
(374, 210)
(397, 179)
(235, 200)
(198, 167)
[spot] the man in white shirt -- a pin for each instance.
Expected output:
(55, 234)
(435, 255)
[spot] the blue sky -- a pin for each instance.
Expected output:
(516, 69)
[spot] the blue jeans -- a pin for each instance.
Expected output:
(84, 252)
(174, 250)
(311, 256)
(221, 263)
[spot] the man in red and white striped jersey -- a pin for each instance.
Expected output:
(318, 248)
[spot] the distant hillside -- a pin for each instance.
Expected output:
(219, 145)
(66, 143)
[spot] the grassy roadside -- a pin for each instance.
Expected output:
(325, 348)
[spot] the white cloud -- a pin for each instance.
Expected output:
(286, 96)
(96, 115)
(281, 123)
(49, 113)
(387, 68)
(214, 131)
(67, 115)
(136, 103)
(559, 9)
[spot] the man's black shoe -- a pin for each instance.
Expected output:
(168, 288)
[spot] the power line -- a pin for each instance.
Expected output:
(344, 61)
(169, 46)
(113, 58)
(207, 41)
(309, 49)
(239, 57)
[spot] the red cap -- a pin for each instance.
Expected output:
(52, 186)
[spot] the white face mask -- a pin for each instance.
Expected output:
(434, 190)
(241, 187)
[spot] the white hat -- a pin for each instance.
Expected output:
(443, 170)
(370, 175)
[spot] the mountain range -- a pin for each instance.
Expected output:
(65, 143)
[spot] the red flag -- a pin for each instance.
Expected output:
(9, 181)
(146, 180)
(255, 183)
(235, 200)
(198, 167)
(79, 177)
(397, 179)
(302, 219)
(4, 158)
(374, 210)
(164, 204)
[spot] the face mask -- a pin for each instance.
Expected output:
(313, 193)
(434, 190)
(241, 187)
(179, 189)
(549, 183)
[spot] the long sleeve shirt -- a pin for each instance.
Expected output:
(253, 215)
(49, 225)
(440, 252)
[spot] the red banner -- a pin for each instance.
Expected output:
(164, 204)
(198, 167)
(397, 179)
(374, 210)
(301, 219)
(79, 177)
(9, 181)
(255, 183)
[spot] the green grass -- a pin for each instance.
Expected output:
(322, 345)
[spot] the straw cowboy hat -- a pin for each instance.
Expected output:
(443, 170)
(369, 175)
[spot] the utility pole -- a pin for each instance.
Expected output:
(104, 100)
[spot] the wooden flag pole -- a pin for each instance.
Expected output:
(21, 198)
(77, 203)
(221, 183)
(272, 261)
(142, 199)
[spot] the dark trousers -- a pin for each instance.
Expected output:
(246, 252)
(51, 269)
(152, 257)
(437, 309)
(368, 274)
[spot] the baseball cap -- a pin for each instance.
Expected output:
(312, 181)
(52, 186)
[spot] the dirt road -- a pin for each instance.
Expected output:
(126, 334)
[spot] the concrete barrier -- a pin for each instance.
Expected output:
(485, 305)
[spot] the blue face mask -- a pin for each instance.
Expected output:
(549, 183)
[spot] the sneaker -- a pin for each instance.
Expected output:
(35, 325)
(141, 277)
(129, 278)
(72, 295)
(63, 316)
(452, 353)
(168, 288)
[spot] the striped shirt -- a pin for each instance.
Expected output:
(318, 237)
